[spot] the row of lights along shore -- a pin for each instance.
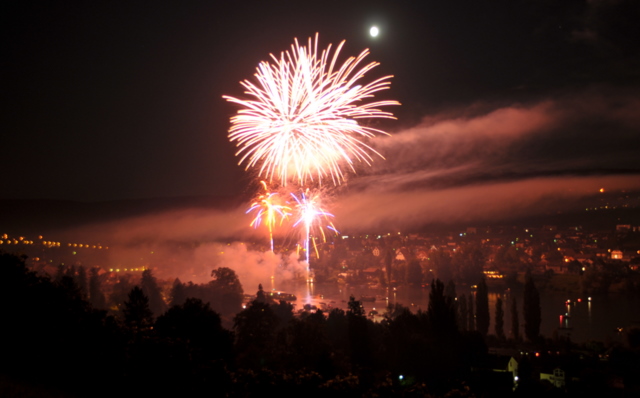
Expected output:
(7, 240)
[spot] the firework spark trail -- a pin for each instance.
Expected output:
(268, 210)
(302, 121)
(309, 213)
(300, 126)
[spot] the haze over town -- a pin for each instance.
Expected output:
(513, 163)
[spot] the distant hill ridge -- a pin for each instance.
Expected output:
(41, 216)
(26, 216)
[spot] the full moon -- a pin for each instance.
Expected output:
(374, 31)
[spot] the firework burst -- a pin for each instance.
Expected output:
(309, 213)
(301, 123)
(268, 209)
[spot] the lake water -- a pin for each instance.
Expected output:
(583, 318)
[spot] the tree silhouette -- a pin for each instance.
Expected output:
(120, 291)
(178, 293)
(450, 290)
(96, 296)
(60, 272)
(195, 323)
(262, 297)
(515, 322)
(137, 314)
(388, 263)
(531, 309)
(463, 322)
(44, 324)
(482, 307)
(149, 286)
(255, 334)
(441, 313)
(82, 282)
(283, 311)
(67, 278)
(444, 348)
(359, 338)
(471, 316)
(225, 291)
(309, 344)
(499, 327)
(355, 307)
(70, 271)
(407, 341)
(336, 330)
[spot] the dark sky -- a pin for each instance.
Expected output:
(113, 100)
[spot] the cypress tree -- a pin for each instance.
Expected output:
(441, 313)
(531, 309)
(388, 263)
(150, 288)
(471, 325)
(462, 313)
(482, 307)
(450, 290)
(515, 322)
(499, 319)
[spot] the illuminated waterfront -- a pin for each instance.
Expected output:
(597, 319)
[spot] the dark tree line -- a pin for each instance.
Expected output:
(184, 349)
(224, 292)
(58, 336)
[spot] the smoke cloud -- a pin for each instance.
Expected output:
(479, 164)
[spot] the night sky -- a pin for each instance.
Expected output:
(501, 99)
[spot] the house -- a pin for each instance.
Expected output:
(372, 272)
(556, 377)
(422, 255)
(617, 255)
(498, 371)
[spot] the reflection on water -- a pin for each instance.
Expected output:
(579, 318)
(598, 317)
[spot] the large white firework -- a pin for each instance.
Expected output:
(302, 121)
